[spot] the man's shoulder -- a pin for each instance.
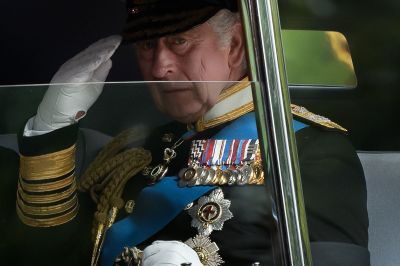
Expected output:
(322, 138)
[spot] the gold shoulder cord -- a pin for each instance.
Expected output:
(46, 194)
(106, 178)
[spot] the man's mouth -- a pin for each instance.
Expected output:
(174, 90)
(177, 87)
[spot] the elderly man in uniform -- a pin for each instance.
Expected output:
(202, 201)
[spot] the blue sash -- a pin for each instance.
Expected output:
(159, 204)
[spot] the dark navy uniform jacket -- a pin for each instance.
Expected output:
(332, 180)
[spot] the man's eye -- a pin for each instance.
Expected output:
(147, 45)
(178, 41)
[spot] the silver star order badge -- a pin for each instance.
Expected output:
(210, 212)
(206, 250)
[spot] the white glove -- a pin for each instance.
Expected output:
(169, 253)
(64, 104)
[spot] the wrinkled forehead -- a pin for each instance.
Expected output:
(151, 19)
(195, 34)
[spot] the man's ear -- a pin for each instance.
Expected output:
(237, 47)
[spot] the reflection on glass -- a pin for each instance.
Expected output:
(200, 183)
(189, 184)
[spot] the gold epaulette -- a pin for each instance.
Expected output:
(303, 113)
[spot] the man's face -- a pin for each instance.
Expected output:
(194, 55)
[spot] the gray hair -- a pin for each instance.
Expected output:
(222, 24)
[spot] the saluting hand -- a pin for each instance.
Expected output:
(76, 86)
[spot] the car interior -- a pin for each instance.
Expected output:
(341, 60)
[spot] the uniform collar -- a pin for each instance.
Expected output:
(237, 100)
(233, 102)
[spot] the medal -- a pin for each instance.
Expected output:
(248, 174)
(223, 162)
(210, 212)
(206, 250)
(211, 174)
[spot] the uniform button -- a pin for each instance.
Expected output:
(167, 137)
(129, 205)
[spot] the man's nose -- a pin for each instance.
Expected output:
(163, 61)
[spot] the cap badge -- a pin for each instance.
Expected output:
(135, 10)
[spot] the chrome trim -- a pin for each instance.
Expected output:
(267, 68)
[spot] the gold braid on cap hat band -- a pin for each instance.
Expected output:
(46, 194)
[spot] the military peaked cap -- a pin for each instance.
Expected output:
(148, 19)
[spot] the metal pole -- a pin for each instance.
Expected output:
(272, 102)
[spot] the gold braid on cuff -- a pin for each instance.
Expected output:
(46, 194)
(48, 222)
(48, 166)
